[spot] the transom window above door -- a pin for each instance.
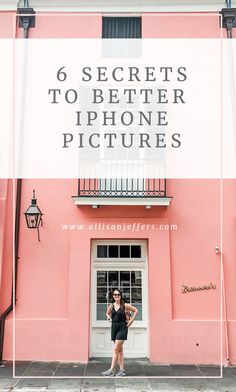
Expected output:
(119, 251)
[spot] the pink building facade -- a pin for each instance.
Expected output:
(186, 238)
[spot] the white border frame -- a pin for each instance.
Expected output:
(172, 13)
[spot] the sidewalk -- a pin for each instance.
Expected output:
(57, 376)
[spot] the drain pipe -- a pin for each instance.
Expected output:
(16, 248)
(228, 22)
(225, 313)
(26, 21)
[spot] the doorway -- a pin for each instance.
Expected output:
(120, 264)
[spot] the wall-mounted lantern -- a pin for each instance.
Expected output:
(33, 215)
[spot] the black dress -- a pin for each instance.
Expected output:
(119, 331)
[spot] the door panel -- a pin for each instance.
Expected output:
(133, 283)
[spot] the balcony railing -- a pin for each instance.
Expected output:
(125, 191)
(146, 188)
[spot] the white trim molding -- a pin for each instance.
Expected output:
(122, 201)
(118, 6)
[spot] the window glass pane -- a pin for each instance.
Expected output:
(136, 278)
(139, 315)
(136, 251)
(124, 278)
(101, 278)
(126, 294)
(102, 251)
(124, 251)
(102, 295)
(101, 311)
(113, 279)
(110, 295)
(113, 250)
(121, 27)
(136, 295)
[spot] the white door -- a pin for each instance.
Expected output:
(118, 264)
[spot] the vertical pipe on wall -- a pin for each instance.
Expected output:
(233, 100)
(14, 275)
(26, 26)
(15, 255)
(225, 314)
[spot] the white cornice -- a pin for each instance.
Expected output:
(118, 6)
(8, 5)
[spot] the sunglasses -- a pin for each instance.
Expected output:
(116, 295)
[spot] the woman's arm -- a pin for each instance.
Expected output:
(108, 313)
(132, 309)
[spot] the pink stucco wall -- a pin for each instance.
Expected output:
(54, 274)
(199, 25)
(63, 26)
(53, 289)
(7, 23)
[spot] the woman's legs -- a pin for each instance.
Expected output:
(121, 358)
(117, 347)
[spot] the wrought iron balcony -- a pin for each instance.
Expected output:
(116, 191)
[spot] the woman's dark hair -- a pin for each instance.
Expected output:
(122, 300)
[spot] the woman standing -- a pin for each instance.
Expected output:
(116, 312)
